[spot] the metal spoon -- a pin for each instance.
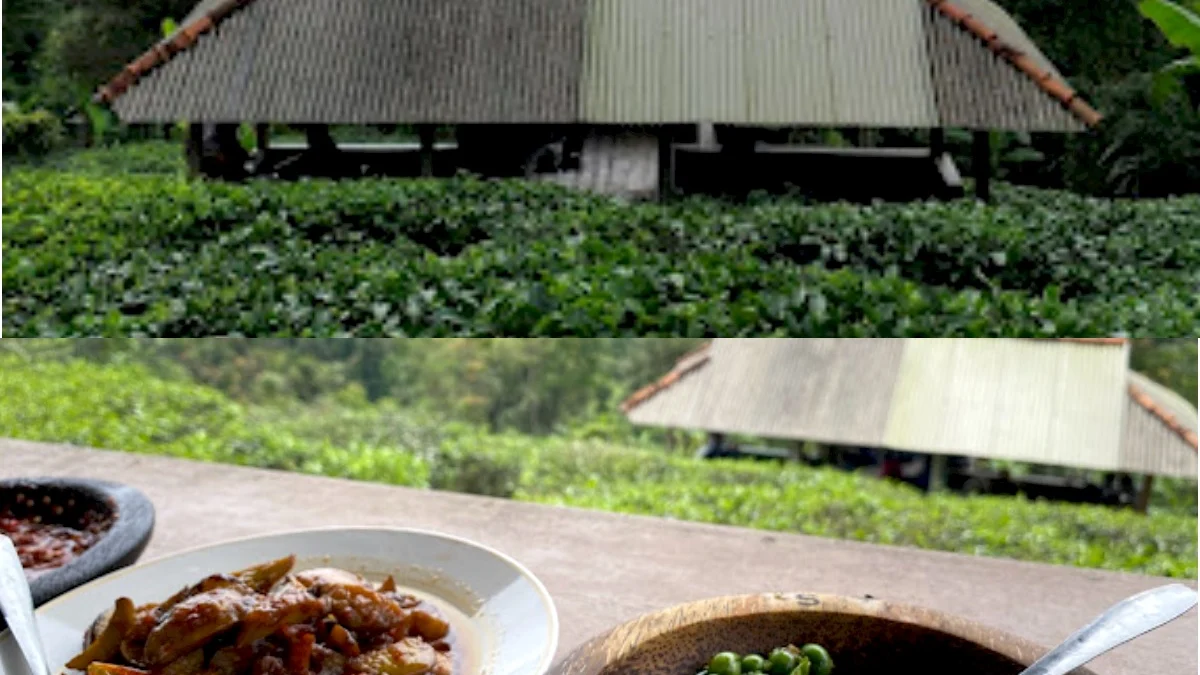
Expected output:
(1118, 624)
(16, 604)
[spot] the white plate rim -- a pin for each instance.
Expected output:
(540, 588)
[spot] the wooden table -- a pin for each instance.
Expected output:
(605, 568)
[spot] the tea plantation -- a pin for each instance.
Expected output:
(127, 407)
(117, 242)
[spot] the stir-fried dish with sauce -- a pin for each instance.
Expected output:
(268, 620)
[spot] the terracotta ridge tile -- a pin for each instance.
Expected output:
(164, 50)
(1143, 399)
(1044, 79)
(685, 364)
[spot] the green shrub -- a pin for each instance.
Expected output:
(149, 157)
(31, 134)
(125, 407)
(93, 254)
(466, 470)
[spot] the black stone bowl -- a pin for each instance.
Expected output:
(69, 502)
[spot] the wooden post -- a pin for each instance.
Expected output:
(1143, 497)
(262, 138)
(666, 162)
(937, 472)
(194, 148)
(981, 164)
(427, 134)
(937, 142)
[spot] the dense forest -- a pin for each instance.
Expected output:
(56, 52)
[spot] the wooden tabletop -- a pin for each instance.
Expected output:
(603, 569)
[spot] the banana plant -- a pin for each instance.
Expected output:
(1180, 25)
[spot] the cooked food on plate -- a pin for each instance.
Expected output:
(811, 659)
(269, 620)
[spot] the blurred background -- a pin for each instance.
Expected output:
(541, 420)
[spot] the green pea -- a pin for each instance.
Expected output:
(783, 662)
(802, 666)
(753, 663)
(725, 663)
(822, 664)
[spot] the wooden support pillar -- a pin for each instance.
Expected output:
(428, 134)
(981, 165)
(937, 142)
(262, 138)
(938, 465)
(666, 162)
(194, 148)
(1143, 497)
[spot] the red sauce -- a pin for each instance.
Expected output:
(46, 546)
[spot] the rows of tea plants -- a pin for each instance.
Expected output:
(90, 249)
(129, 408)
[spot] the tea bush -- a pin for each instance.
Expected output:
(30, 134)
(99, 252)
(125, 407)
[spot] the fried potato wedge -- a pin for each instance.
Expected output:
(410, 656)
(111, 669)
(262, 577)
(192, 624)
(108, 642)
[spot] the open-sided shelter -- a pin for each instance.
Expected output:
(929, 64)
(1069, 402)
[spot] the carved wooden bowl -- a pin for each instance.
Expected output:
(864, 637)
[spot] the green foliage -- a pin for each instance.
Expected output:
(126, 407)
(149, 157)
(1147, 145)
(31, 134)
(92, 254)
(1096, 40)
(460, 470)
(1168, 362)
(1180, 25)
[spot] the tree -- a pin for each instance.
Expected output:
(1180, 25)
(1171, 363)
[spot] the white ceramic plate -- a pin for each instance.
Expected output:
(505, 619)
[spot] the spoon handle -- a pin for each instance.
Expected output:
(17, 606)
(1120, 623)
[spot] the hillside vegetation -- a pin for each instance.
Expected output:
(92, 250)
(127, 407)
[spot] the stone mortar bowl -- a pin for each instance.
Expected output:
(864, 636)
(68, 502)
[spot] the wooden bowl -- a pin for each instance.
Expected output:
(68, 502)
(864, 636)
